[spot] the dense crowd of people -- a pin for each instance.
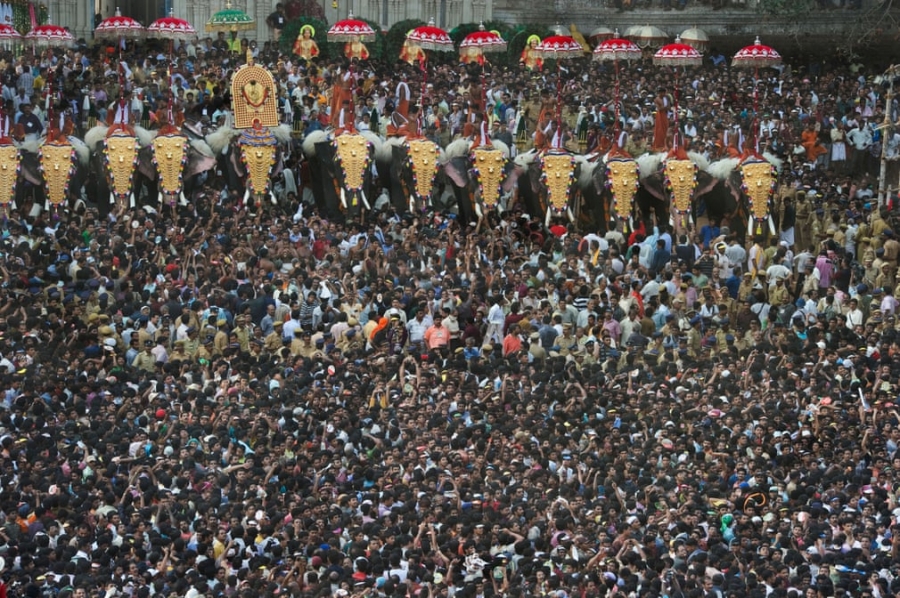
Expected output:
(221, 400)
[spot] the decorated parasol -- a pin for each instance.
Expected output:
(350, 29)
(677, 55)
(50, 36)
(477, 44)
(171, 28)
(758, 175)
(119, 27)
(695, 38)
(429, 37)
(602, 34)
(616, 49)
(647, 36)
(353, 32)
(9, 34)
(756, 56)
(559, 48)
(230, 19)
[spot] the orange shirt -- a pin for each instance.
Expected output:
(437, 337)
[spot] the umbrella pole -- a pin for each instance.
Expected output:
(171, 83)
(424, 67)
(558, 104)
(616, 125)
(754, 139)
(675, 136)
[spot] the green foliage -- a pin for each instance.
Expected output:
(786, 8)
(292, 30)
(396, 35)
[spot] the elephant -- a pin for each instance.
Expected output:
(586, 196)
(399, 180)
(459, 169)
(326, 180)
(30, 189)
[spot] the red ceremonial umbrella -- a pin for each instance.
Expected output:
(171, 28)
(559, 48)
(50, 36)
(617, 49)
(756, 56)
(481, 42)
(119, 27)
(8, 34)
(675, 55)
(429, 37)
(476, 45)
(349, 30)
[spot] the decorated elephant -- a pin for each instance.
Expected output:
(412, 174)
(481, 177)
(340, 171)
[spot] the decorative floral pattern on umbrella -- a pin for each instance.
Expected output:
(50, 36)
(8, 32)
(171, 27)
(617, 48)
(756, 56)
(677, 54)
(350, 29)
(119, 26)
(559, 47)
(430, 37)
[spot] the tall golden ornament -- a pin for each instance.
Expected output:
(488, 164)
(558, 174)
(170, 158)
(622, 180)
(10, 164)
(353, 159)
(254, 97)
(57, 159)
(681, 180)
(758, 183)
(423, 160)
(120, 152)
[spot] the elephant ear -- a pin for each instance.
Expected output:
(457, 170)
(585, 172)
(655, 185)
(705, 183)
(511, 179)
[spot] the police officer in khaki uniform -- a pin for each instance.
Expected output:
(146, 360)
(242, 331)
(204, 353)
(272, 342)
(778, 295)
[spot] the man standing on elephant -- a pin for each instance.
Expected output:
(403, 97)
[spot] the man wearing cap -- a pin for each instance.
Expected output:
(220, 341)
(146, 360)
(272, 341)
